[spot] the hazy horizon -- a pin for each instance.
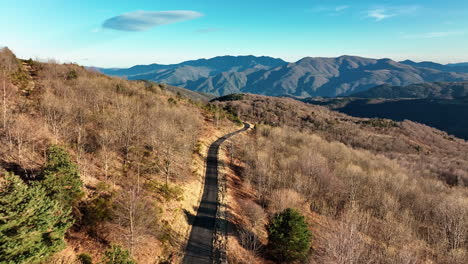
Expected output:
(239, 55)
(119, 35)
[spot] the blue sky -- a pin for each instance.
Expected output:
(124, 33)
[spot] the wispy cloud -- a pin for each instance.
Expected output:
(429, 35)
(329, 9)
(382, 13)
(341, 8)
(145, 20)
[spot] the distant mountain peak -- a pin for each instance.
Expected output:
(309, 76)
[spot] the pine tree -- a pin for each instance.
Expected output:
(289, 237)
(61, 178)
(32, 226)
(117, 255)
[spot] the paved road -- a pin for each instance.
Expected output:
(200, 245)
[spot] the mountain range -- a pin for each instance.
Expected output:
(310, 76)
(454, 67)
(436, 90)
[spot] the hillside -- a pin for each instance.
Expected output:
(436, 90)
(95, 168)
(444, 114)
(372, 190)
(455, 67)
(440, 105)
(92, 166)
(307, 77)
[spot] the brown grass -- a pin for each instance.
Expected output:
(123, 135)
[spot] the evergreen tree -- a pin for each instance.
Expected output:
(61, 178)
(289, 237)
(117, 255)
(32, 226)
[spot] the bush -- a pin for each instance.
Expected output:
(230, 97)
(171, 101)
(32, 226)
(166, 191)
(288, 236)
(20, 79)
(117, 255)
(72, 75)
(61, 178)
(85, 259)
(97, 210)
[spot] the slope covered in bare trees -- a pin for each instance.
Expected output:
(137, 147)
(116, 168)
(373, 190)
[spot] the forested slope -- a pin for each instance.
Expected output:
(97, 166)
(373, 190)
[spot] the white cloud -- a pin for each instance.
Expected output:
(145, 20)
(382, 13)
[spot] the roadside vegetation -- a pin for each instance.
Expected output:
(371, 190)
(95, 169)
(107, 167)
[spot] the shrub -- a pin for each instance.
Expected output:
(381, 123)
(32, 226)
(288, 236)
(172, 101)
(71, 75)
(166, 191)
(230, 97)
(20, 79)
(85, 259)
(162, 86)
(117, 255)
(61, 178)
(97, 210)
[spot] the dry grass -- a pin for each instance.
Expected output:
(413, 145)
(406, 180)
(125, 137)
(379, 208)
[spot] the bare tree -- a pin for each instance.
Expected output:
(7, 66)
(453, 219)
(135, 214)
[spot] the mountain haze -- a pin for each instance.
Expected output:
(310, 76)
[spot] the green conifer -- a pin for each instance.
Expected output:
(32, 226)
(288, 235)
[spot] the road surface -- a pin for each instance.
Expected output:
(200, 245)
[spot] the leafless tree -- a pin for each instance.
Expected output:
(135, 214)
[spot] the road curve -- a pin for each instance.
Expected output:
(200, 244)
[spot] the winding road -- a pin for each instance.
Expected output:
(200, 244)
